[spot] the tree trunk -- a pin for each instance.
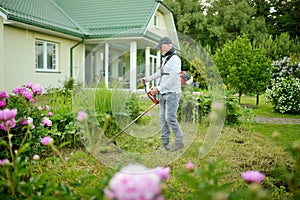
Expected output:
(257, 99)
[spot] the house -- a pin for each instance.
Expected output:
(112, 41)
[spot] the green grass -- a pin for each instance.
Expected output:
(264, 108)
(252, 149)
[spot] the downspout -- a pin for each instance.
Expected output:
(71, 56)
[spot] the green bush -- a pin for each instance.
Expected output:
(194, 108)
(284, 95)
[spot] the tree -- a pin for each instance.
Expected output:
(244, 69)
(281, 16)
(228, 19)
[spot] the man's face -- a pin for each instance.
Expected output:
(164, 48)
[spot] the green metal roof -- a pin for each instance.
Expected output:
(84, 18)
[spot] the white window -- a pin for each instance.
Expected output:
(156, 21)
(45, 56)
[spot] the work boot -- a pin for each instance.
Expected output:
(176, 146)
(164, 146)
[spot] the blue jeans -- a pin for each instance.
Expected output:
(168, 104)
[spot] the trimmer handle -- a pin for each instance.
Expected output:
(151, 97)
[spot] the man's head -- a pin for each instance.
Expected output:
(164, 45)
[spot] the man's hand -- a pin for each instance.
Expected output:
(154, 91)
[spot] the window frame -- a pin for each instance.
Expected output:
(45, 44)
(155, 21)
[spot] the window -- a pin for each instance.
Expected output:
(45, 56)
(156, 21)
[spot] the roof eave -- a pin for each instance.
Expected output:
(44, 26)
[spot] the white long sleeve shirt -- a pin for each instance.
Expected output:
(169, 75)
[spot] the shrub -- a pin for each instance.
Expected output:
(284, 95)
(285, 68)
(195, 108)
(31, 121)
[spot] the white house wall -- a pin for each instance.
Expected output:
(19, 59)
(2, 69)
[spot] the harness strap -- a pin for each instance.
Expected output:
(163, 64)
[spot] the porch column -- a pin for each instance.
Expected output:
(106, 63)
(133, 56)
(147, 67)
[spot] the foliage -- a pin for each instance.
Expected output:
(279, 46)
(133, 106)
(30, 126)
(195, 108)
(243, 69)
(284, 95)
(280, 16)
(285, 68)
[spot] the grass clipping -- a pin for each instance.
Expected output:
(250, 151)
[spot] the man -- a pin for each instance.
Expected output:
(169, 90)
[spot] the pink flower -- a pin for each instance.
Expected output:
(30, 85)
(50, 114)
(36, 157)
(47, 107)
(3, 95)
(82, 116)
(2, 103)
(11, 123)
(19, 90)
(27, 94)
(4, 162)
(37, 89)
(7, 114)
(46, 140)
(190, 166)
(46, 121)
(163, 173)
(135, 182)
(40, 108)
(28, 120)
(253, 176)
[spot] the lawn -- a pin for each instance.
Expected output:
(236, 150)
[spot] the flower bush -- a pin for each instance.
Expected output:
(284, 95)
(285, 68)
(19, 114)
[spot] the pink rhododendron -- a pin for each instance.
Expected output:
(40, 108)
(253, 176)
(46, 121)
(136, 182)
(81, 116)
(46, 140)
(50, 114)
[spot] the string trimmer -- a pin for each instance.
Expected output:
(155, 102)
